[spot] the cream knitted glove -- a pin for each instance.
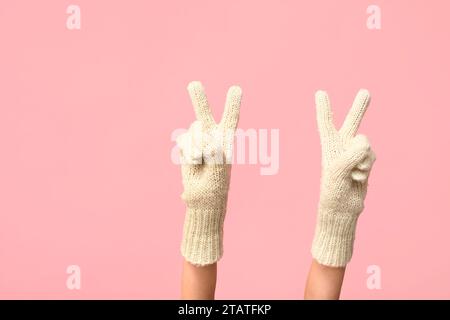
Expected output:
(206, 154)
(346, 163)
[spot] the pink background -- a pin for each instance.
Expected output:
(86, 118)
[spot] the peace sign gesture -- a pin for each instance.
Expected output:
(347, 159)
(206, 154)
(343, 149)
(206, 141)
(203, 113)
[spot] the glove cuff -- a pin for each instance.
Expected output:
(202, 242)
(333, 240)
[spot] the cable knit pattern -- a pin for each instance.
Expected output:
(206, 156)
(346, 163)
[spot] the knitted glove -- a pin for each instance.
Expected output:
(346, 163)
(206, 154)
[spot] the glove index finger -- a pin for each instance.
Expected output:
(230, 117)
(324, 116)
(201, 106)
(355, 115)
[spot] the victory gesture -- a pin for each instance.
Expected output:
(206, 154)
(347, 159)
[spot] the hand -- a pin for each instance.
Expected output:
(206, 153)
(347, 159)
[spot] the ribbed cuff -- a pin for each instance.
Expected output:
(333, 240)
(202, 242)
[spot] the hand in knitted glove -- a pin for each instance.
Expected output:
(206, 154)
(346, 163)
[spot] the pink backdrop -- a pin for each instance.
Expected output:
(86, 117)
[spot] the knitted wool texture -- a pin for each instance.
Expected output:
(206, 156)
(346, 163)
